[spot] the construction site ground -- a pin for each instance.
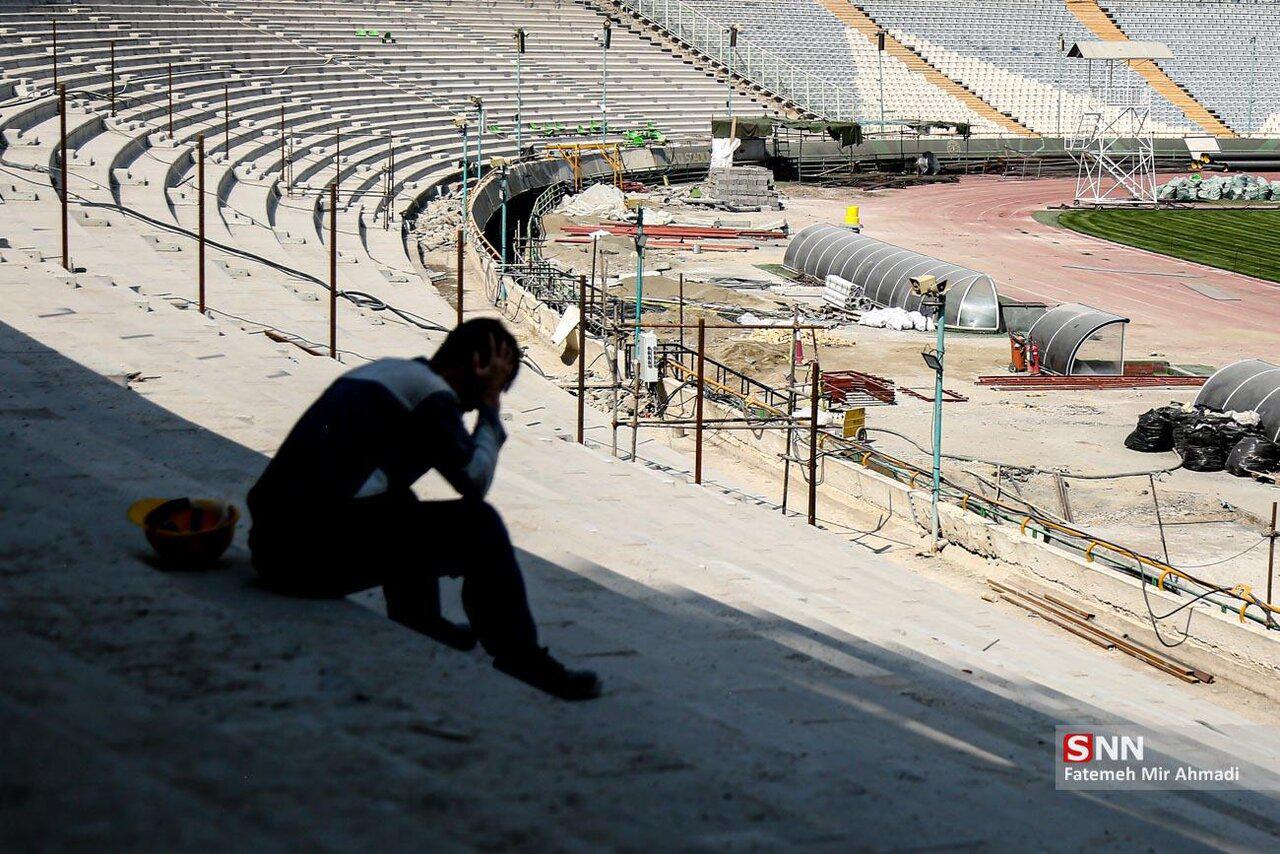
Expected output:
(988, 224)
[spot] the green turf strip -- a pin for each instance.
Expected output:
(1245, 242)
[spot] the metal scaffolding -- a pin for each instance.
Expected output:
(1113, 146)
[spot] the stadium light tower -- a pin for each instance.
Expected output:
(733, 49)
(933, 292)
(606, 40)
(520, 39)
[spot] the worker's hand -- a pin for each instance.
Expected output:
(495, 374)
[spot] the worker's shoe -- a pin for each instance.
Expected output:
(543, 672)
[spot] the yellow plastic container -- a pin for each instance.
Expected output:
(851, 217)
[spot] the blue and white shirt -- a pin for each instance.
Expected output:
(374, 432)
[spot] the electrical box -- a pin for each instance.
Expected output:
(854, 421)
(647, 358)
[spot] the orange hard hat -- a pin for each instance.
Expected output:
(187, 531)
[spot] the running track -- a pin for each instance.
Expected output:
(986, 223)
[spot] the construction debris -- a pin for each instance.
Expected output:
(679, 232)
(437, 224)
(1054, 382)
(744, 187)
(853, 387)
(897, 318)
(598, 200)
(1080, 623)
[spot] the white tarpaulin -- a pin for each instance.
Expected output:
(722, 152)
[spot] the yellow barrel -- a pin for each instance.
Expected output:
(851, 218)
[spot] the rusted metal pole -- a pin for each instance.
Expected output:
(284, 157)
(171, 102)
(595, 241)
(337, 154)
(226, 118)
(635, 411)
(200, 209)
(582, 359)
(813, 447)
(682, 311)
(791, 407)
(391, 165)
(626, 324)
(1271, 559)
(113, 80)
(459, 299)
(333, 270)
(55, 53)
(62, 170)
(697, 406)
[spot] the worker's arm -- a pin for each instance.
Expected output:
(466, 460)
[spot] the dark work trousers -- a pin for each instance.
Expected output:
(405, 545)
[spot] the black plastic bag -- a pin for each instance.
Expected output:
(1154, 433)
(1253, 453)
(1202, 448)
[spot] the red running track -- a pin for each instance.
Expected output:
(986, 223)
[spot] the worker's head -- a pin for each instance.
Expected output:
(466, 358)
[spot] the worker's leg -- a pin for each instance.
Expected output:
(467, 539)
(471, 541)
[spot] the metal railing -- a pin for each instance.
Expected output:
(746, 391)
(768, 70)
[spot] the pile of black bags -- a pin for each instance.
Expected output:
(1206, 440)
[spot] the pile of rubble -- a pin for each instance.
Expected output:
(437, 224)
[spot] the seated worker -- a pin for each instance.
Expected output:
(334, 512)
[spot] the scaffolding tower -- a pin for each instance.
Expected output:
(1113, 146)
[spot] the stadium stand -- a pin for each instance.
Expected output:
(812, 37)
(1008, 53)
(1104, 26)
(242, 71)
(1214, 59)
